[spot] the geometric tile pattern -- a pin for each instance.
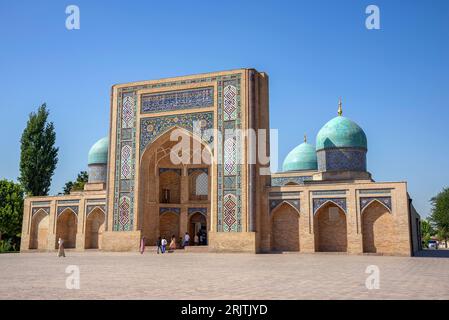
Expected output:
(282, 181)
(230, 156)
(126, 162)
(91, 208)
(152, 128)
(365, 201)
(191, 211)
(229, 208)
(36, 209)
(228, 93)
(230, 103)
(274, 203)
(163, 210)
(128, 112)
(202, 184)
(178, 100)
(124, 213)
(62, 208)
(319, 202)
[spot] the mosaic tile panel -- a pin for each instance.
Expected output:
(342, 159)
(163, 210)
(128, 111)
(175, 170)
(365, 201)
(191, 211)
(282, 181)
(152, 128)
(230, 103)
(375, 191)
(178, 100)
(124, 213)
(91, 208)
(319, 202)
(36, 209)
(126, 162)
(230, 212)
(62, 208)
(230, 156)
(192, 170)
(274, 203)
(328, 192)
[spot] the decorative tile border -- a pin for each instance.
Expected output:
(192, 211)
(282, 181)
(328, 192)
(192, 170)
(75, 201)
(319, 202)
(163, 210)
(366, 201)
(228, 94)
(152, 128)
(375, 191)
(62, 208)
(177, 100)
(34, 210)
(91, 208)
(40, 203)
(175, 170)
(274, 203)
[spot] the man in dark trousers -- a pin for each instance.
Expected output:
(159, 244)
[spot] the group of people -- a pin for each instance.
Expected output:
(161, 243)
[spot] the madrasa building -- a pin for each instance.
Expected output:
(324, 200)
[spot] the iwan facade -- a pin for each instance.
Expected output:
(324, 200)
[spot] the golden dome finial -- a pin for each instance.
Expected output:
(305, 138)
(340, 109)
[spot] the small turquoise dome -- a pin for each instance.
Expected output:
(303, 157)
(98, 154)
(341, 132)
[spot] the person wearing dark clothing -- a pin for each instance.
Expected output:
(159, 245)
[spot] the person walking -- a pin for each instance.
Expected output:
(172, 244)
(142, 245)
(163, 244)
(196, 240)
(159, 244)
(186, 239)
(61, 251)
(180, 243)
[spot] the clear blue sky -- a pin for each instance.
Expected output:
(394, 81)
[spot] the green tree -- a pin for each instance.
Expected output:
(427, 232)
(440, 214)
(78, 184)
(39, 155)
(11, 212)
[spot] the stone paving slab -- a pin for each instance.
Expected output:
(108, 275)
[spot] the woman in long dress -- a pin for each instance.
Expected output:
(142, 245)
(172, 243)
(61, 252)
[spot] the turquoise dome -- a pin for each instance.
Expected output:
(341, 132)
(98, 154)
(303, 157)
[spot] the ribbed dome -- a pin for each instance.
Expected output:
(98, 154)
(341, 132)
(303, 157)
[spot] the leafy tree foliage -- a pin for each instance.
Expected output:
(440, 214)
(427, 231)
(11, 212)
(78, 184)
(39, 155)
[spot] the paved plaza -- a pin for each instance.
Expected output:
(106, 275)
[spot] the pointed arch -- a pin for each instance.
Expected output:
(66, 227)
(371, 202)
(40, 224)
(285, 224)
(280, 204)
(327, 202)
